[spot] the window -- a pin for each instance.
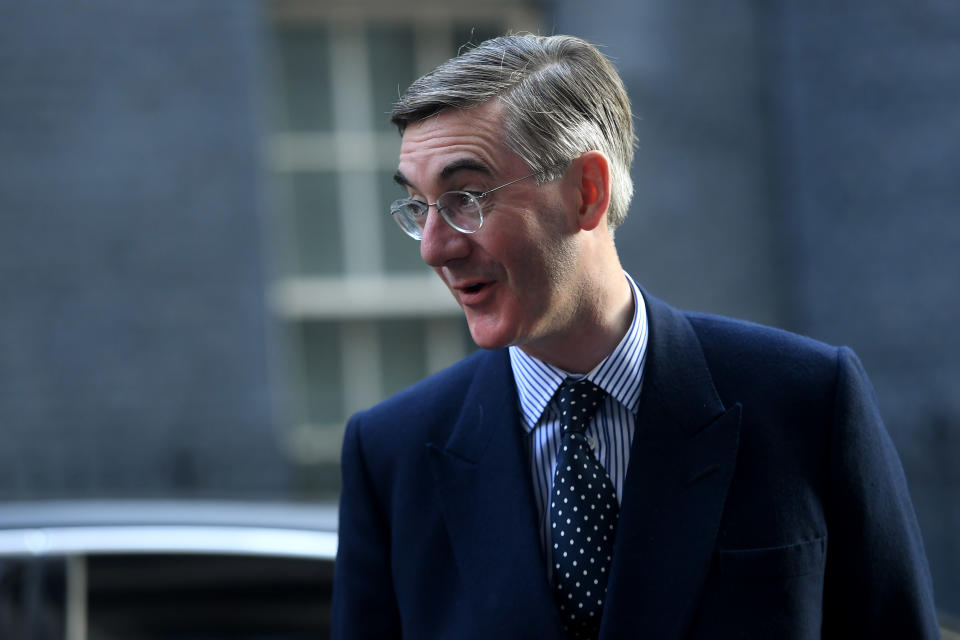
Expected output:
(362, 317)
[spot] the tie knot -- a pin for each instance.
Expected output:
(578, 402)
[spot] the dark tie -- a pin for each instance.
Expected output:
(583, 515)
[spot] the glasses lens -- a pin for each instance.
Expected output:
(410, 215)
(462, 210)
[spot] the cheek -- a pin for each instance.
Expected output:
(541, 277)
(538, 253)
(553, 260)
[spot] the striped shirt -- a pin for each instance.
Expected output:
(620, 374)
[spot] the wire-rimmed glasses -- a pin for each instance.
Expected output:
(459, 209)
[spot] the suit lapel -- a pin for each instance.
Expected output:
(483, 478)
(681, 463)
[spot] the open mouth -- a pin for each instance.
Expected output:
(475, 287)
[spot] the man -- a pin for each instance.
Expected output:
(606, 466)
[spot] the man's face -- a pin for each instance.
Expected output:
(512, 277)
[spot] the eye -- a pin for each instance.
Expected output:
(417, 208)
(462, 199)
(409, 207)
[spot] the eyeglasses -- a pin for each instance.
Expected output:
(459, 209)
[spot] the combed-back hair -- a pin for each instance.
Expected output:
(562, 97)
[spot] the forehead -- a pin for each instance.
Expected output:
(454, 138)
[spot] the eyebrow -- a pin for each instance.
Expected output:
(463, 164)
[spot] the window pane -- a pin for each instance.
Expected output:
(302, 73)
(392, 68)
(322, 383)
(403, 354)
(312, 201)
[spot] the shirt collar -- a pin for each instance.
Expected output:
(620, 374)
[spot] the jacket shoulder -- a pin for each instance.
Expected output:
(767, 366)
(728, 342)
(747, 339)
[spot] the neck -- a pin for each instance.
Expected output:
(595, 331)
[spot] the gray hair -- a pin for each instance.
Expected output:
(562, 98)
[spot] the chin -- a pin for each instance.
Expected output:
(489, 337)
(486, 342)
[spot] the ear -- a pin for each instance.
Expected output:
(594, 186)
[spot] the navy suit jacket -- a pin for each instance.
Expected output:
(764, 499)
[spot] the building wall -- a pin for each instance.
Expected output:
(133, 331)
(797, 166)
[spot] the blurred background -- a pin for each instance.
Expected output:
(200, 281)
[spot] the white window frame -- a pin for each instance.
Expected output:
(355, 153)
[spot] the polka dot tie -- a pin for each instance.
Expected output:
(583, 515)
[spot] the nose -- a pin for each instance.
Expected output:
(440, 243)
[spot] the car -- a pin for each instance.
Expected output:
(112, 569)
